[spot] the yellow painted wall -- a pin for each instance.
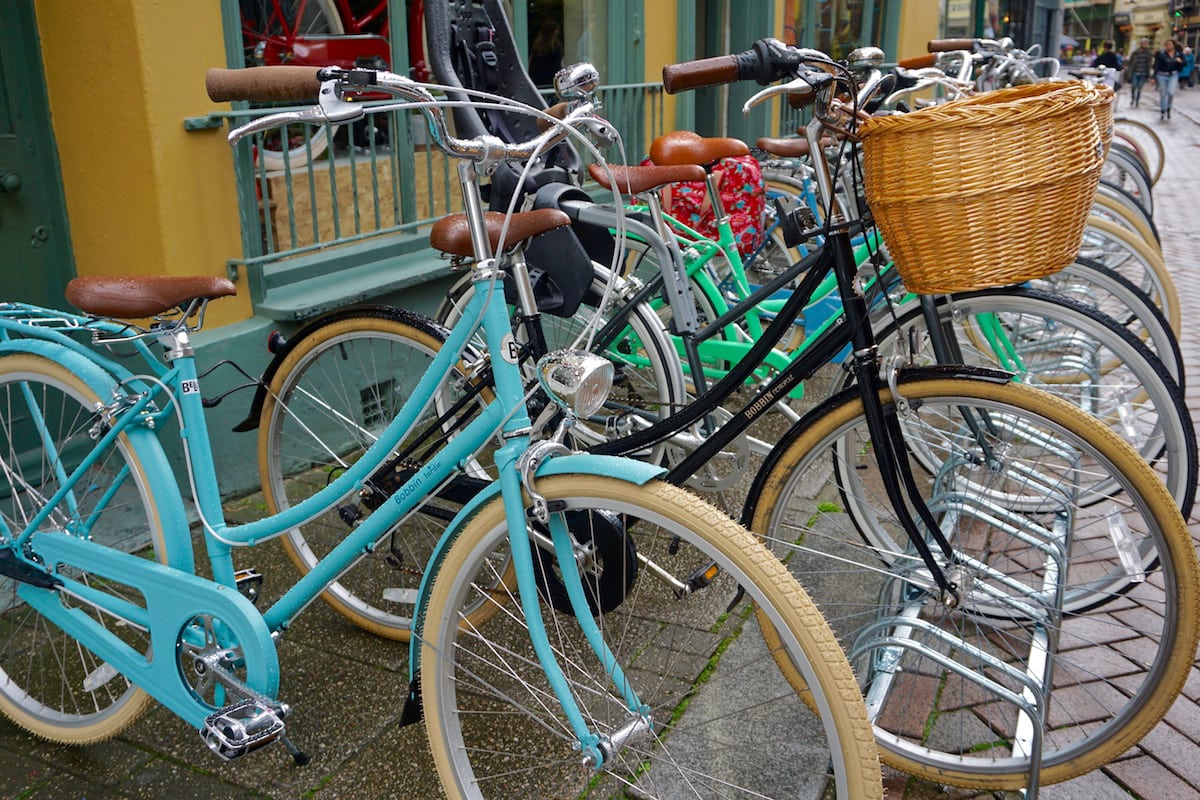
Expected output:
(143, 195)
(918, 24)
(660, 37)
(661, 48)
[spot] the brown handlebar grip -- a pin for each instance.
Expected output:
(263, 84)
(700, 73)
(918, 62)
(948, 45)
(801, 98)
(558, 111)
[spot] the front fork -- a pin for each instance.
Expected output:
(524, 459)
(894, 468)
(516, 461)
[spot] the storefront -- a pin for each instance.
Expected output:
(1026, 22)
(156, 192)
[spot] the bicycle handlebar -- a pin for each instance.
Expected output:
(263, 84)
(918, 62)
(287, 83)
(766, 62)
(801, 97)
(950, 45)
(701, 73)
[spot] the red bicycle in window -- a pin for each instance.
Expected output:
(321, 33)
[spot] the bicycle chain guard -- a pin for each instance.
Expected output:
(173, 599)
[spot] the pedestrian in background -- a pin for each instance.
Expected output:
(1188, 70)
(1109, 59)
(1140, 61)
(1167, 63)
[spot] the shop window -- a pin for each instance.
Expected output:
(833, 26)
(564, 32)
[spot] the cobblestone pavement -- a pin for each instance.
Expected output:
(1166, 764)
(347, 687)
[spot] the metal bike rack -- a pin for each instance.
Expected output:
(1035, 609)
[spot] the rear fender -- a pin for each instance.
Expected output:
(168, 502)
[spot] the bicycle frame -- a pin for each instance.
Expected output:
(366, 22)
(291, 45)
(725, 338)
(738, 326)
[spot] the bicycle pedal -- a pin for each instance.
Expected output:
(699, 579)
(242, 728)
(249, 584)
(24, 572)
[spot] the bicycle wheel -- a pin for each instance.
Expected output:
(1129, 152)
(1122, 197)
(1114, 295)
(695, 657)
(1107, 207)
(1075, 353)
(1130, 256)
(648, 384)
(331, 397)
(50, 684)
(773, 256)
(269, 32)
(1123, 169)
(1147, 141)
(951, 689)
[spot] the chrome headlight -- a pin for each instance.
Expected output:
(577, 380)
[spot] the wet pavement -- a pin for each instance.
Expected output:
(347, 687)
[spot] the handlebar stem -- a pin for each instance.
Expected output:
(821, 172)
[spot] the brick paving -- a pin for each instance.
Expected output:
(349, 685)
(1166, 763)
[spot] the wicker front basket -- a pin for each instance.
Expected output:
(988, 190)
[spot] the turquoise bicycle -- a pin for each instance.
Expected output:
(591, 607)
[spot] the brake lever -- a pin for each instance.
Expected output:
(600, 131)
(810, 82)
(330, 109)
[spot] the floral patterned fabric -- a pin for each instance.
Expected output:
(740, 182)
